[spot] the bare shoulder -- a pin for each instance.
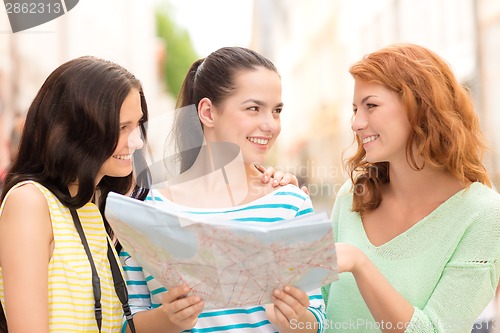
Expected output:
(25, 206)
(26, 196)
(26, 239)
(25, 226)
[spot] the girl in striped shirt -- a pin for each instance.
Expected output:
(235, 94)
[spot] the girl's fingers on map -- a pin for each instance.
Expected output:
(297, 294)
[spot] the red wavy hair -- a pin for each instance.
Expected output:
(445, 130)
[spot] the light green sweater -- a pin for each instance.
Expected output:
(447, 265)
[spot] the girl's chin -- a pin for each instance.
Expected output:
(371, 159)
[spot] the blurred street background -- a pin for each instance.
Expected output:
(312, 42)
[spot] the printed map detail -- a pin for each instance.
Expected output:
(228, 264)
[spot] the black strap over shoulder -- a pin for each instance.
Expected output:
(120, 286)
(96, 282)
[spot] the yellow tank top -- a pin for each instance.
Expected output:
(71, 299)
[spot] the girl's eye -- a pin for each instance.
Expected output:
(253, 108)
(278, 110)
(370, 106)
(355, 110)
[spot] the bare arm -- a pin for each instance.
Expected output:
(25, 250)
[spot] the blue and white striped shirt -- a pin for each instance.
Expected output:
(284, 203)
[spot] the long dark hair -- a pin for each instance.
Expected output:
(212, 77)
(72, 127)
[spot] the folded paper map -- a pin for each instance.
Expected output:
(228, 264)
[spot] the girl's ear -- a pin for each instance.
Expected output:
(206, 112)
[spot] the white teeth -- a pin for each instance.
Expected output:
(258, 141)
(123, 157)
(370, 138)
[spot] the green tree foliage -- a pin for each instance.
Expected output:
(180, 53)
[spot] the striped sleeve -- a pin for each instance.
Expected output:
(317, 307)
(139, 294)
(306, 207)
(294, 198)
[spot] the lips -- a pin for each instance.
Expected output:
(259, 141)
(123, 157)
(370, 138)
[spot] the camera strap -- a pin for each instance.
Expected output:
(119, 283)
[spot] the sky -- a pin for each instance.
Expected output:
(215, 23)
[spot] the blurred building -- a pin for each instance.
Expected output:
(464, 32)
(122, 31)
(302, 39)
(488, 69)
(314, 43)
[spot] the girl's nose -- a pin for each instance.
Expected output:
(135, 139)
(358, 122)
(269, 123)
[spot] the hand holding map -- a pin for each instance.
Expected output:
(228, 264)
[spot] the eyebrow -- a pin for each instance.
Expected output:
(364, 99)
(128, 122)
(260, 103)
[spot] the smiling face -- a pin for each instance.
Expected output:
(120, 163)
(249, 117)
(380, 122)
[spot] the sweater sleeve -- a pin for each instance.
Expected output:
(468, 281)
(325, 290)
